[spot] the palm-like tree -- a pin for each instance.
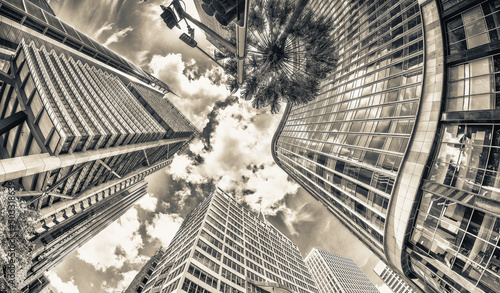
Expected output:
(290, 52)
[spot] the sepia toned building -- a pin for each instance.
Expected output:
(337, 274)
(222, 247)
(80, 129)
(141, 279)
(402, 143)
(392, 279)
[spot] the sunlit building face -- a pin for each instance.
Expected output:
(403, 143)
(347, 145)
(222, 247)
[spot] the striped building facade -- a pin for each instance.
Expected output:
(402, 143)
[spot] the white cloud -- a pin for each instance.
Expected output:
(105, 27)
(164, 227)
(183, 168)
(197, 97)
(296, 216)
(240, 155)
(118, 243)
(115, 37)
(147, 202)
(240, 158)
(58, 286)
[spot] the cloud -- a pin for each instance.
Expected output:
(115, 37)
(58, 286)
(238, 157)
(296, 216)
(183, 168)
(197, 96)
(118, 243)
(105, 27)
(164, 227)
(148, 203)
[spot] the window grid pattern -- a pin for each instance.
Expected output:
(77, 108)
(459, 233)
(334, 273)
(37, 20)
(225, 256)
(474, 27)
(474, 85)
(347, 145)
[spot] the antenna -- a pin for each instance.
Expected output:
(261, 215)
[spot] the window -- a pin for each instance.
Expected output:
(233, 277)
(189, 286)
(472, 28)
(206, 261)
(204, 277)
(228, 289)
(234, 265)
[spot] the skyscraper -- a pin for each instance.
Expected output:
(402, 143)
(334, 273)
(141, 279)
(392, 279)
(80, 128)
(222, 247)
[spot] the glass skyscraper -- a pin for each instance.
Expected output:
(222, 247)
(402, 143)
(80, 128)
(337, 274)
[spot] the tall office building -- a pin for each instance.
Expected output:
(141, 279)
(337, 274)
(402, 144)
(392, 279)
(80, 129)
(222, 247)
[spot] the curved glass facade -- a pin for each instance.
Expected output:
(347, 145)
(454, 241)
(403, 145)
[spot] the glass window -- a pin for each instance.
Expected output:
(480, 67)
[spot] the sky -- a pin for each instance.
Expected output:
(233, 152)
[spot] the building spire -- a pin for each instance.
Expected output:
(261, 215)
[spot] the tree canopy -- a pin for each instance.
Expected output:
(17, 222)
(290, 51)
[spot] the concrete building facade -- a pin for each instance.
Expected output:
(392, 279)
(337, 274)
(142, 277)
(80, 129)
(222, 247)
(401, 144)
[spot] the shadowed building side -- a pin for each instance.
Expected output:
(142, 277)
(74, 139)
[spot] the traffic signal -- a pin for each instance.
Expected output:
(208, 8)
(169, 17)
(225, 11)
(188, 40)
